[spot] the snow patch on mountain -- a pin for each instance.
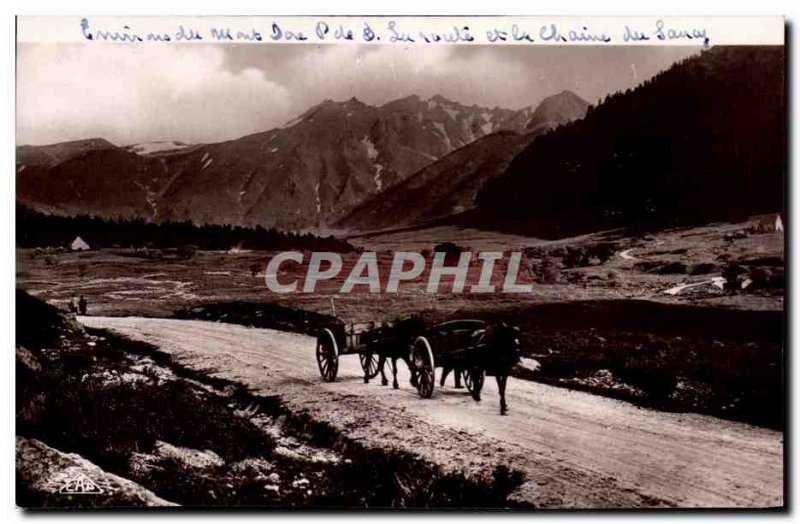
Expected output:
(377, 177)
(206, 160)
(372, 152)
(150, 197)
(146, 148)
(452, 112)
(467, 127)
(293, 122)
(421, 153)
(440, 128)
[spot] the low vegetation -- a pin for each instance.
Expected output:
(201, 441)
(715, 361)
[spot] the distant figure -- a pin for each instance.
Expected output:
(72, 307)
(82, 305)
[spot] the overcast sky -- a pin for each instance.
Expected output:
(206, 92)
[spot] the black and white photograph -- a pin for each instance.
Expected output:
(393, 262)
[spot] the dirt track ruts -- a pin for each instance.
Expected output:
(576, 450)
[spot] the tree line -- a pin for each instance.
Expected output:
(36, 229)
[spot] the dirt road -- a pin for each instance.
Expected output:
(575, 449)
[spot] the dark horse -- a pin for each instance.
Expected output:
(394, 344)
(456, 376)
(472, 349)
(493, 351)
(497, 356)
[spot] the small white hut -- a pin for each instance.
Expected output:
(79, 245)
(769, 223)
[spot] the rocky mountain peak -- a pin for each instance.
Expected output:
(559, 109)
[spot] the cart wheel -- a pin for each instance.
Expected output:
(369, 363)
(327, 355)
(424, 367)
(473, 379)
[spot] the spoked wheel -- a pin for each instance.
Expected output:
(327, 355)
(473, 379)
(369, 363)
(424, 370)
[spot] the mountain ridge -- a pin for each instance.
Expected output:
(312, 170)
(677, 149)
(451, 184)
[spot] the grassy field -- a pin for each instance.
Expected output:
(118, 282)
(646, 317)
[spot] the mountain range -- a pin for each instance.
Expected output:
(450, 185)
(445, 187)
(314, 170)
(703, 140)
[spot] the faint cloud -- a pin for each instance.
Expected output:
(209, 92)
(132, 94)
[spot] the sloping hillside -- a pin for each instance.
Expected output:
(704, 140)
(449, 185)
(557, 110)
(53, 154)
(311, 171)
(108, 181)
(443, 188)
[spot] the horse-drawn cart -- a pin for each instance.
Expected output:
(372, 344)
(472, 348)
(337, 340)
(453, 346)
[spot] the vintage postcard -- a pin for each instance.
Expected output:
(401, 262)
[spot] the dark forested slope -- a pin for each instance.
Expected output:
(704, 140)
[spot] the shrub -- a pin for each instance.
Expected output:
(735, 275)
(186, 252)
(576, 257)
(614, 278)
(549, 271)
(657, 381)
(535, 252)
(765, 277)
(703, 268)
(646, 265)
(671, 268)
(603, 251)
